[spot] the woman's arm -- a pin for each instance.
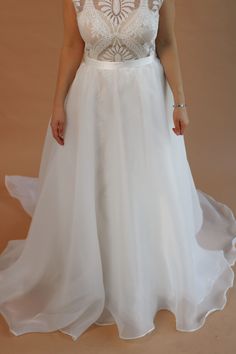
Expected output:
(167, 50)
(70, 57)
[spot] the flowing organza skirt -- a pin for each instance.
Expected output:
(119, 230)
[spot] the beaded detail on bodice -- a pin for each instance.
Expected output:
(118, 30)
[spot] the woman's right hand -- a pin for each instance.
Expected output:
(57, 123)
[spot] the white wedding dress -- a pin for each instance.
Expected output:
(118, 230)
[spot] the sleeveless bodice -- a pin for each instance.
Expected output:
(118, 30)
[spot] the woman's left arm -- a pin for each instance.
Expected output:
(167, 51)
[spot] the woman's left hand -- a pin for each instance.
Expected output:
(181, 120)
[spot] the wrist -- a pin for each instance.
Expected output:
(58, 105)
(179, 97)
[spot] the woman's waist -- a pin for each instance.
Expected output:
(105, 64)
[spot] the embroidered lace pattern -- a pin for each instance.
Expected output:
(118, 30)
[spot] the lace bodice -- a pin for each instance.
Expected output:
(118, 30)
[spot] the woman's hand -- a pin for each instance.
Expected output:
(181, 120)
(58, 120)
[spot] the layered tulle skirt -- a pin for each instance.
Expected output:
(119, 230)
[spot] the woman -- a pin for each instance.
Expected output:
(118, 229)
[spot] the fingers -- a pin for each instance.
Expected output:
(58, 131)
(61, 130)
(179, 128)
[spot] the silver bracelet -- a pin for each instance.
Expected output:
(180, 105)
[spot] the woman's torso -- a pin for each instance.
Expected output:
(118, 30)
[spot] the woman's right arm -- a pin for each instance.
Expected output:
(70, 57)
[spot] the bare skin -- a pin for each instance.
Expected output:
(167, 50)
(72, 52)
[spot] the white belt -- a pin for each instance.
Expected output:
(104, 64)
